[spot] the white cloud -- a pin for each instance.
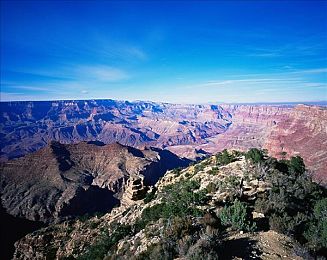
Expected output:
(312, 71)
(34, 88)
(315, 84)
(251, 81)
(100, 73)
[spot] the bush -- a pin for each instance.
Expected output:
(296, 165)
(162, 251)
(236, 216)
(261, 205)
(280, 223)
(177, 171)
(105, 242)
(224, 158)
(178, 200)
(198, 167)
(212, 187)
(316, 233)
(206, 248)
(150, 196)
(255, 155)
(213, 171)
(179, 227)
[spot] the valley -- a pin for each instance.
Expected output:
(190, 131)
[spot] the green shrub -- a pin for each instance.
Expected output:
(178, 200)
(212, 187)
(279, 223)
(224, 158)
(316, 234)
(236, 216)
(296, 165)
(179, 227)
(150, 196)
(255, 155)
(177, 171)
(198, 167)
(212, 172)
(105, 242)
(261, 205)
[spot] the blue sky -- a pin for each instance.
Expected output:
(178, 51)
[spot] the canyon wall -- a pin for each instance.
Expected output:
(190, 131)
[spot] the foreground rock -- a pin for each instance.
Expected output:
(61, 181)
(180, 218)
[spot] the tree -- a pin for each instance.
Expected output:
(296, 165)
(255, 155)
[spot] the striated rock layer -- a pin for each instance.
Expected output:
(190, 131)
(299, 130)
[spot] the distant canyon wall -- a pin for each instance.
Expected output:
(187, 130)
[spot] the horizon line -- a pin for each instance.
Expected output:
(324, 102)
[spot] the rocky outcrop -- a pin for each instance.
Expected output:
(73, 239)
(134, 190)
(61, 181)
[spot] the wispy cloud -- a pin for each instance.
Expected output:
(34, 88)
(136, 53)
(66, 76)
(311, 71)
(266, 54)
(76, 82)
(252, 81)
(99, 73)
(287, 73)
(310, 46)
(315, 85)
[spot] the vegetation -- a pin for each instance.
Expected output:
(150, 196)
(237, 216)
(224, 157)
(316, 234)
(178, 200)
(293, 205)
(105, 243)
(255, 155)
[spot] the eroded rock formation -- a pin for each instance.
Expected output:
(63, 181)
(190, 131)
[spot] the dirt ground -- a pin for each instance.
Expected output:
(267, 245)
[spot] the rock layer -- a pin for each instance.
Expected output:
(63, 181)
(190, 131)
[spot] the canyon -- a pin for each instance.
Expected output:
(62, 160)
(190, 131)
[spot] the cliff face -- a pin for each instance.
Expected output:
(190, 131)
(300, 130)
(303, 132)
(28, 126)
(63, 181)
